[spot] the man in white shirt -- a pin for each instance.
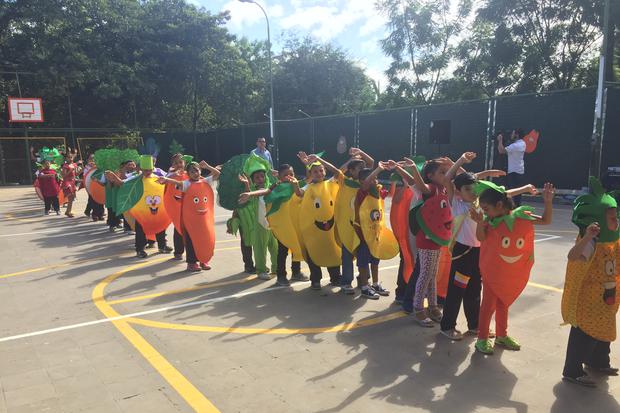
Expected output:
(516, 165)
(261, 150)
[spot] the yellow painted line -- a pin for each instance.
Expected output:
(545, 287)
(183, 290)
(199, 287)
(274, 331)
(182, 385)
(70, 263)
(65, 264)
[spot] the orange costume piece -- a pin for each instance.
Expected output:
(198, 219)
(399, 220)
(173, 198)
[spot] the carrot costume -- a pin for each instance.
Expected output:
(198, 219)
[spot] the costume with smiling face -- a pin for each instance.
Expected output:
(344, 213)
(316, 224)
(198, 219)
(173, 198)
(589, 300)
(507, 254)
(149, 210)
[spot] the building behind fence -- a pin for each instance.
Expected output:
(564, 118)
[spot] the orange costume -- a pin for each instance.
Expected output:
(198, 219)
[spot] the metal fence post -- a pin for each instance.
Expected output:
(411, 122)
(603, 119)
(415, 134)
(487, 154)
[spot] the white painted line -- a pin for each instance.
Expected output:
(140, 313)
(548, 237)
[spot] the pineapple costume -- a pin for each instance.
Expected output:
(590, 300)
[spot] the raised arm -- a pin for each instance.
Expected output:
(368, 181)
(500, 144)
(548, 194)
(526, 189)
(576, 253)
(330, 168)
(490, 173)
(417, 178)
(245, 181)
(215, 173)
(481, 228)
(245, 197)
(363, 155)
(467, 157)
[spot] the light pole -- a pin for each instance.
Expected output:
(271, 109)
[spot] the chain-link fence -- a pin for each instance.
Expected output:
(564, 119)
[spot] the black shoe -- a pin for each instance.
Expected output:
(165, 250)
(335, 282)
(283, 282)
(315, 285)
(141, 254)
(250, 270)
(608, 371)
(87, 213)
(150, 245)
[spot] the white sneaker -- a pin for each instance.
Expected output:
(264, 276)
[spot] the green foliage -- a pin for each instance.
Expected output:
(228, 187)
(110, 159)
(175, 147)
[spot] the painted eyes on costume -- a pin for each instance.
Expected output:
(317, 203)
(205, 199)
(505, 242)
(610, 268)
(520, 243)
(153, 200)
(444, 204)
(196, 200)
(331, 203)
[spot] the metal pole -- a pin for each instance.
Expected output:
(411, 131)
(487, 155)
(71, 121)
(415, 134)
(596, 141)
(19, 88)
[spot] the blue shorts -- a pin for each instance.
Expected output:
(364, 257)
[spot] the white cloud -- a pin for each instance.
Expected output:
(246, 14)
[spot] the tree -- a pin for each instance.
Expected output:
(319, 79)
(421, 45)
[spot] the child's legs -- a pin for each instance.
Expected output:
(363, 263)
(410, 288)
(334, 274)
(487, 308)
(454, 297)
(295, 265)
(140, 237)
(179, 245)
(347, 267)
(161, 239)
(282, 254)
(315, 271)
(374, 270)
(55, 203)
(89, 205)
(599, 358)
(429, 260)
(260, 249)
(272, 247)
(190, 253)
(48, 203)
(400, 280)
(471, 299)
(580, 347)
(501, 319)
(246, 252)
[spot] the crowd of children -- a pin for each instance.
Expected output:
(331, 223)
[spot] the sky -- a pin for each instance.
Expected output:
(354, 25)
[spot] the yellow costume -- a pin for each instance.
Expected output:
(345, 213)
(380, 240)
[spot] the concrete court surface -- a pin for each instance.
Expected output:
(85, 326)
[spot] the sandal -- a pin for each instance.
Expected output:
(422, 319)
(581, 380)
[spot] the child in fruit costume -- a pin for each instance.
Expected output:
(283, 200)
(506, 235)
(589, 300)
(344, 213)
(197, 214)
(316, 223)
(173, 198)
(259, 172)
(431, 222)
(142, 196)
(464, 282)
(48, 185)
(69, 171)
(377, 242)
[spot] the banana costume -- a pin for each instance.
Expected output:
(590, 300)
(282, 210)
(316, 224)
(381, 241)
(344, 213)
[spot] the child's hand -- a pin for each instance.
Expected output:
(476, 215)
(532, 189)
(408, 163)
(243, 179)
(303, 157)
(274, 173)
(291, 179)
(382, 165)
(355, 153)
(392, 165)
(203, 165)
(593, 230)
(161, 180)
(312, 158)
(444, 160)
(244, 198)
(500, 138)
(468, 157)
(548, 192)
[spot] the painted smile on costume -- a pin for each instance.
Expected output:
(178, 197)
(153, 203)
(511, 260)
(201, 211)
(325, 226)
